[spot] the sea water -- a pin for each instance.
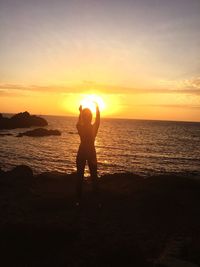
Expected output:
(138, 146)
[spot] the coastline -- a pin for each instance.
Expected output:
(140, 220)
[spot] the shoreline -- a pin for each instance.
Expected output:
(184, 174)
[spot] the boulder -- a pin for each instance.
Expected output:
(39, 132)
(20, 175)
(21, 120)
(22, 171)
(5, 134)
(2, 173)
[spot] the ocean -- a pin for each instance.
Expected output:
(138, 146)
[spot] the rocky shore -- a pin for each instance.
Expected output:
(21, 120)
(142, 222)
(39, 132)
(25, 120)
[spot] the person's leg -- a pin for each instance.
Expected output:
(80, 163)
(92, 163)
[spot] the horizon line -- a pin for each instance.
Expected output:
(117, 118)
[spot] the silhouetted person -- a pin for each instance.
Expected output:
(86, 152)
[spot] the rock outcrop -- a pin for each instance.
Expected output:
(21, 120)
(39, 132)
(5, 134)
(20, 175)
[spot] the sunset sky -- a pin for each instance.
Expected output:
(141, 56)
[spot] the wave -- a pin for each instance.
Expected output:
(143, 146)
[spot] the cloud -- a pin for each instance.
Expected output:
(41, 88)
(15, 93)
(188, 88)
(195, 83)
(181, 106)
(191, 87)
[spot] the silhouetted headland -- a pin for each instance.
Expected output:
(21, 120)
(39, 132)
(143, 221)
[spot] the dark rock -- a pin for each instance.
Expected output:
(20, 175)
(122, 253)
(21, 120)
(22, 171)
(6, 134)
(2, 173)
(39, 132)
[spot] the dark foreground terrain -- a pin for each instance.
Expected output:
(142, 222)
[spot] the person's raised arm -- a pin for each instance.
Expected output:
(79, 123)
(97, 119)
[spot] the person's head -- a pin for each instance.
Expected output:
(86, 116)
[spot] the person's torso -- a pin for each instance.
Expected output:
(87, 136)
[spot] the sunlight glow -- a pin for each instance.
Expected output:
(109, 104)
(90, 102)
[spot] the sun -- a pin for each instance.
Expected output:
(90, 101)
(109, 104)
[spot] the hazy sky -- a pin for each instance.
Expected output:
(142, 55)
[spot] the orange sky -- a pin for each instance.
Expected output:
(141, 57)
